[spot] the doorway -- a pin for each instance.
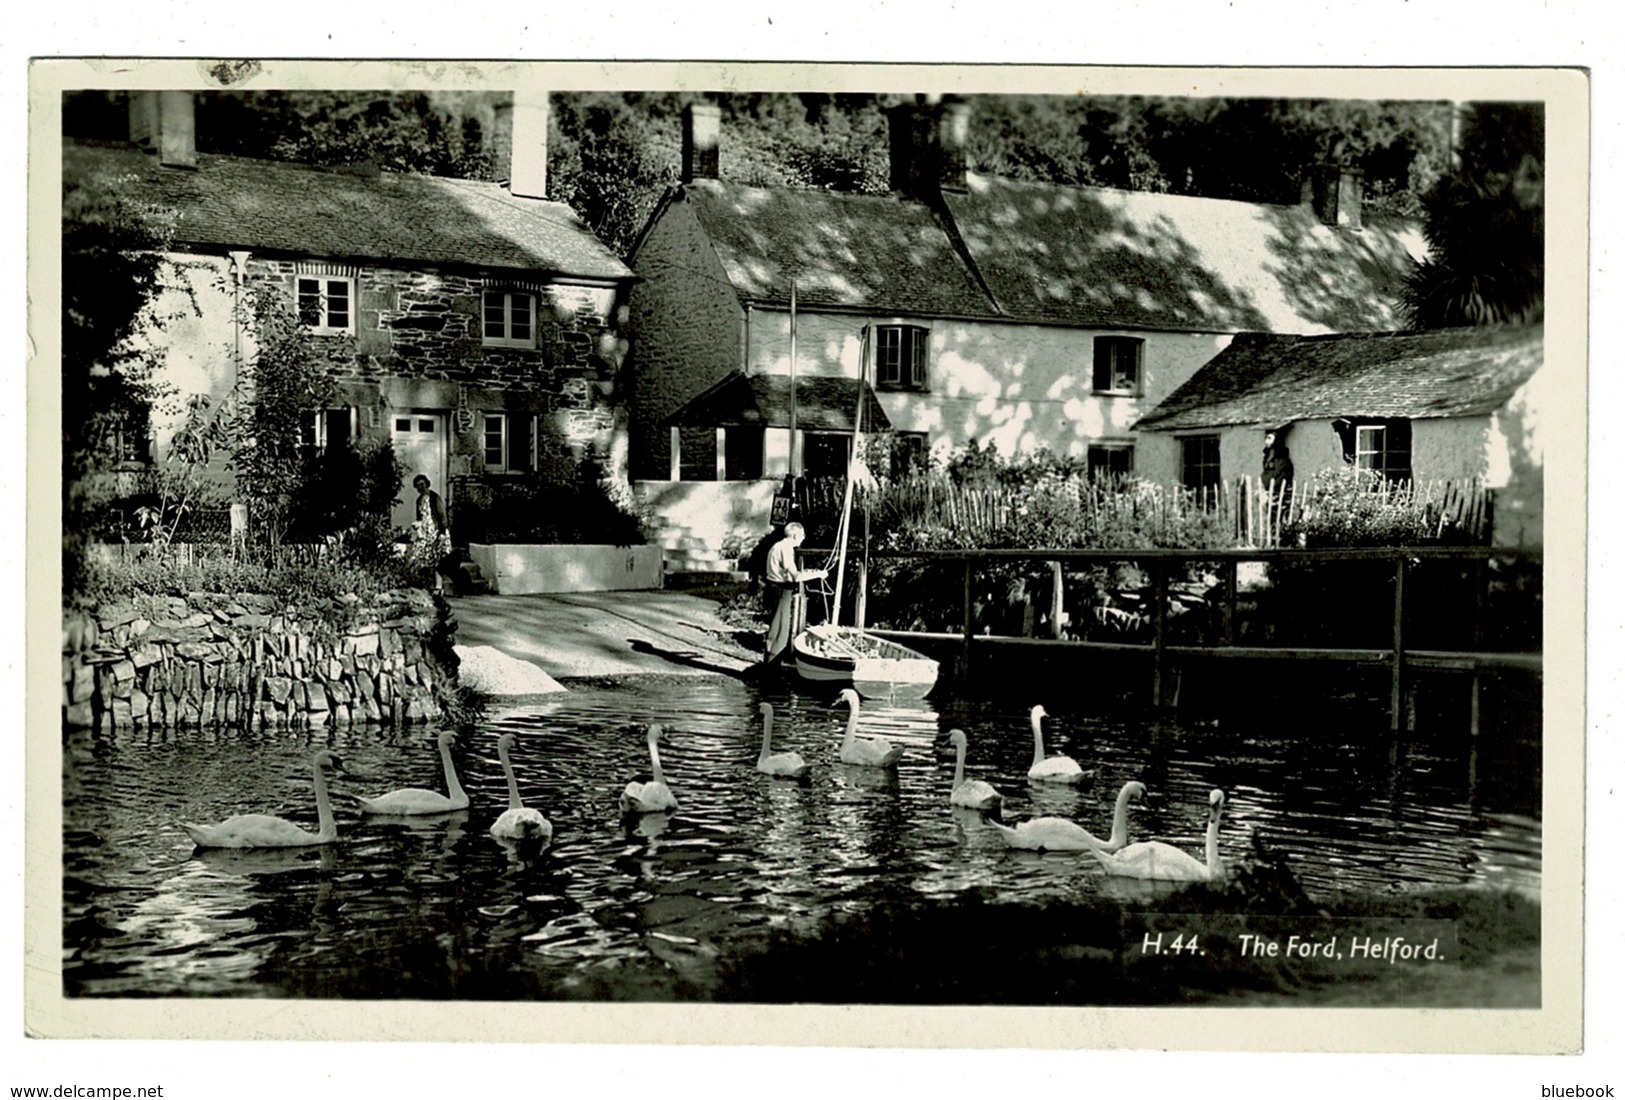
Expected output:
(419, 439)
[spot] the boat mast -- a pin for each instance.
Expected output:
(794, 471)
(851, 460)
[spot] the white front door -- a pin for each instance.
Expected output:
(420, 447)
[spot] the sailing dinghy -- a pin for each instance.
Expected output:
(837, 656)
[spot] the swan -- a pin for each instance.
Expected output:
(265, 831)
(417, 800)
(872, 752)
(1057, 834)
(787, 765)
(973, 793)
(653, 797)
(1051, 769)
(518, 821)
(1161, 862)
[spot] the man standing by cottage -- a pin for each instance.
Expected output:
(783, 576)
(1277, 474)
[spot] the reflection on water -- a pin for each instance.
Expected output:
(1353, 810)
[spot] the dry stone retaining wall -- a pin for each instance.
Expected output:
(244, 659)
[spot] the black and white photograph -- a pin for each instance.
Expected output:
(832, 537)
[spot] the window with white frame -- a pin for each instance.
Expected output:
(900, 357)
(326, 303)
(1384, 448)
(495, 442)
(1111, 459)
(1117, 365)
(510, 319)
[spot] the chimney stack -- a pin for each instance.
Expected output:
(526, 131)
(702, 140)
(499, 141)
(165, 121)
(953, 136)
(1336, 192)
(928, 142)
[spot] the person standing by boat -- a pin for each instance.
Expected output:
(784, 578)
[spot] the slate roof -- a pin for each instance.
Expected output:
(1089, 257)
(1264, 379)
(275, 206)
(822, 403)
(1100, 257)
(879, 253)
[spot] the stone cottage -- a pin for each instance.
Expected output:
(1448, 404)
(477, 327)
(1009, 313)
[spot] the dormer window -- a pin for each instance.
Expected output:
(900, 357)
(510, 319)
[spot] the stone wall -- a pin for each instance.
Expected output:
(244, 660)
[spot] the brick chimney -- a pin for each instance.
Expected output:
(702, 141)
(1335, 192)
(164, 121)
(928, 141)
(526, 127)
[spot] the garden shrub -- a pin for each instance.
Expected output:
(562, 502)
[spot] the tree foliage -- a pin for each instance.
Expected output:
(1486, 225)
(611, 154)
(281, 383)
(112, 276)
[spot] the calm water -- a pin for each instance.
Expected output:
(148, 915)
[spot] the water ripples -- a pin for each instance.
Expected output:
(145, 914)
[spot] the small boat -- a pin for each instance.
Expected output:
(848, 656)
(844, 656)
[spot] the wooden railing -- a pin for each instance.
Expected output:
(1161, 565)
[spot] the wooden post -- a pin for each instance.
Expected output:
(1057, 601)
(964, 653)
(1230, 601)
(860, 613)
(1159, 617)
(1396, 695)
(1480, 608)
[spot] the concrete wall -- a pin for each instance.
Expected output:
(524, 569)
(1020, 387)
(689, 329)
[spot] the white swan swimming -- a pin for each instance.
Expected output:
(1051, 769)
(1154, 860)
(786, 765)
(518, 821)
(266, 831)
(410, 801)
(653, 797)
(1057, 834)
(871, 752)
(973, 793)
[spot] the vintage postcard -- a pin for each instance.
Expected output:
(945, 556)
